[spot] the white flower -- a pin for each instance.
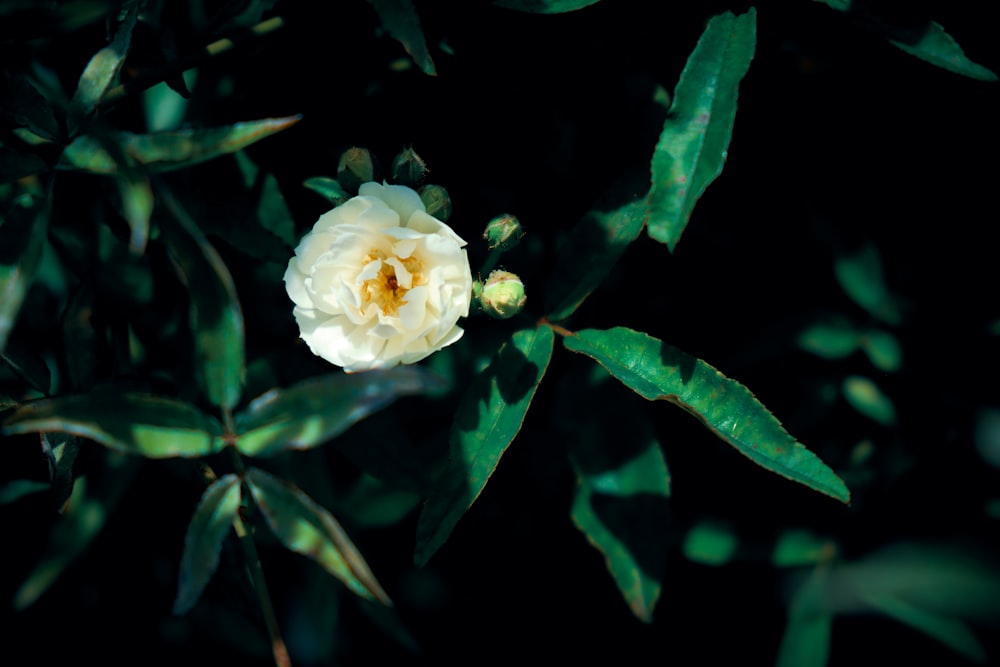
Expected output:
(379, 282)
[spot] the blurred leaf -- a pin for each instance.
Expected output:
(328, 188)
(374, 504)
(306, 528)
(29, 19)
(25, 360)
(692, 147)
(316, 410)
(710, 542)
(595, 244)
(203, 542)
(100, 72)
(151, 426)
(795, 548)
(883, 350)
(544, 6)
(170, 150)
(22, 105)
(19, 488)
(86, 512)
(657, 371)
(164, 106)
(860, 275)
(830, 340)
(622, 492)
(488, 418)
(865, 396)
(216, 317)
(399, 18)
(60, 452)
(273, 213)
(137, 206)
(18, 164)
(806, 641)
(951, 632)
(22, 237)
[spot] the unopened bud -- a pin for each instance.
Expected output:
(356, 166)
(503, 232)
(437, 200)
(503, 295)
(408, 168)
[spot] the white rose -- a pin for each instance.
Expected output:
(379, 282)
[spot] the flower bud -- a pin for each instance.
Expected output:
(437, 200)
(356, 166)
(408, 168)
(503, 295)
(503, 232)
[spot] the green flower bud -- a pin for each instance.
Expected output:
(437, 200)
(408, 169)
(503, 232)
(503, 295)
(356, 166)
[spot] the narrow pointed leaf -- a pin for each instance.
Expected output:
(595, 244)
(806, 641)
(950, 631)
(621, 499)
(861, 277)
(316, 410)
(24, 106)
(399, 18)
(544, 6)
(203, 542)
(151, 426)
(22, 237)
(216, 317)
(795, 548)
(101, 71)
(883, 349)
(170, 150)
(657, 371)
(488, 418)
(308, 529)
(695, 139)
(866, 397)
(328, 188)
(711, 542)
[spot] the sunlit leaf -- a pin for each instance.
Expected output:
(306, 528)
(316, 410)
(170, 150)
(692, 147)
(866, 397)
(216, 316)
(22, 236)
(101, 71)
(710, 542)
(806, 641)
(952, 632)
(657, 371)
(487, 420)
(544, 6)
(399, 18)
(151, 426)
(203, 542)
(595, 244)
(860, 275)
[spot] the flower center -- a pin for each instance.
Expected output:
(395, 278)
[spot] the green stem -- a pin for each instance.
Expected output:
(491, 261)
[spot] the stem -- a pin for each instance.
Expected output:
(491, 261)
(278, 648)
(153, 76)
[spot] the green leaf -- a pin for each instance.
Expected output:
(830, 340)
(306, 528)
(151, 426)
(866, 397)
(710, 542)
(806, 641)
(316, 410)
(137, 206)
(100, 72)
(273, 212)
(595, 244)
(25, 360)
(16, 164)
(399, 18)
(657, 371)
(952, 632)
(488, 418)
(795, 548)
(328, 188)
(16, 489)
(216, 317)
(861, 277)
(169, 150)
(692, 147)
(22, 238)
(622, 492)
(203, 541)
(24, 106)
(883, 350)
(545, 6)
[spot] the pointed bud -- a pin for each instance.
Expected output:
(503, 295)
(408, 169)
(437, 200)
(356, 166)
(503, 232)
